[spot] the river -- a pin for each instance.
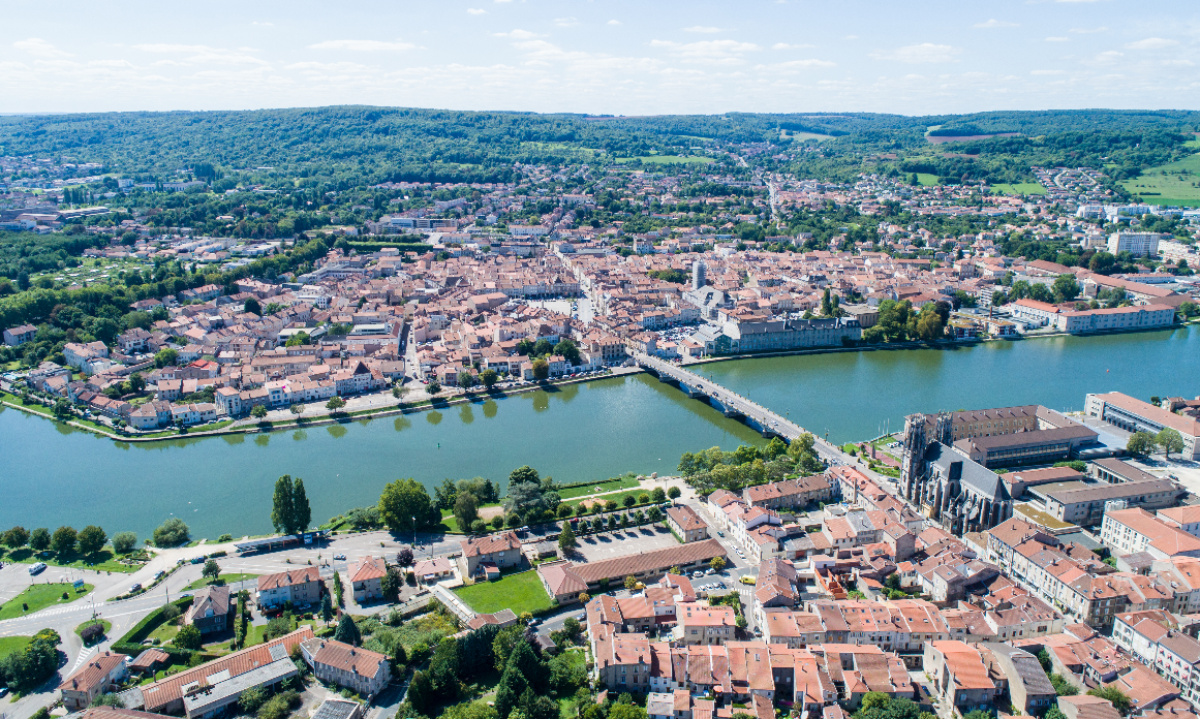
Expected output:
(52, 475)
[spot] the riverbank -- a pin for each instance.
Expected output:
(922, 345)
(234, 427)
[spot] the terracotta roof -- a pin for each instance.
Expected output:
(93, 674)
(649, 562)
(345, 657)
(289, 579)
(491, 544)
(368, 568)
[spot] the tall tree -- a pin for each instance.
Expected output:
(282, 507)
(1170, 440)
(91, 539)
(301, 509)
(466, 510)
(404, 506)
(347, 631)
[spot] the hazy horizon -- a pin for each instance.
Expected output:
(621, 58)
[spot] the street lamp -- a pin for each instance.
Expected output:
(414, 520)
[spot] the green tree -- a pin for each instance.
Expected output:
(541, 370)
(717, 563)
(16, 537)
(405, 506)
(137, 383)
(1062, 687)
(258, 411)
(252, 306)
(166, 358)
(108, 699)
(251, 699)
(282, 508)
(1140, 444)
(466, 380)
(1066, 288)
(566, 540)
(301, 509)
(1170, 440)
(335, 403)
(212, 570)
(124, 542)
(91, 539)
(61, 410)
(63, 541)
(673, 492)
(433, 388)
(541, 348)
(188, 637)
(489, 378)
(466, 510)
(568, 351)
(171, 533)
(1115, 696)
(347, 631)
(39, 539)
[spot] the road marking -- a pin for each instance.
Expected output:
(83, 657)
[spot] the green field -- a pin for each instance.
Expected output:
(520, 592)
(40, 596)
(608, 485)
(666, 160)
(1020, 188)
(8, 645)
(617, 497)
(222, 579)
(1176, 183)
(926, 179)
(102, 561)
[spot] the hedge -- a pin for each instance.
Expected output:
(149, 623)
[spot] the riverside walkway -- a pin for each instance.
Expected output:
(732, 404)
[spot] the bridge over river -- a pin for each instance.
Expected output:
(732, 404)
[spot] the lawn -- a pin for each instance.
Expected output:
(1019, 188)
(102, 561)
(40, 596)
(520, 592)
(222, 579)
(925, 179)
(1175, 183)
(617, 497)
(8, 645)
(666, 160)
(608, 485)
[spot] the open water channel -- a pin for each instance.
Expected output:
(52, 475)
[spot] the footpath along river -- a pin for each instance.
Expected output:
(52, 475)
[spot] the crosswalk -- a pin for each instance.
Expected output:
(83, 658)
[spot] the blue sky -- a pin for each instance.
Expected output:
(620, 57)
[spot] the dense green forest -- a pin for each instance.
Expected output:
(375, 144)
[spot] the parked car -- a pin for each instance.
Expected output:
(710, 570)
(38, 568)
(135, 588)
(339, 557)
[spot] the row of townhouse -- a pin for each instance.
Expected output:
(1157, 639)
(1073, 579)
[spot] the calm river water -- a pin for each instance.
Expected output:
(52, 475)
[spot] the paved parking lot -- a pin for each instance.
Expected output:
(594, 548)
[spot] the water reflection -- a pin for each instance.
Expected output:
(466, 414)
(402, 423)
(337, 431)
(299, 435)
(433, 417)
(541, 401)
(490, 408)
(234, 439)
(262, 439)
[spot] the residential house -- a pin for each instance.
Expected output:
(101, 674)
(366, 578)
(210, 611)
(345, 665)
(496, 551)
(686, 523)
(298, 587)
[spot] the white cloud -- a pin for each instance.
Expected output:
(1108, 57)
(790, 46)
(39, 48)
(1152, 43)
(566, 22)
(703, 29)
(362, 45)
(723, 52)
(263, 23)
(1058, 38)
(518, 34)
(810, 62)
(166, 47)
(476, 11)
(926, 52)
(995, 23)
(614, 22)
